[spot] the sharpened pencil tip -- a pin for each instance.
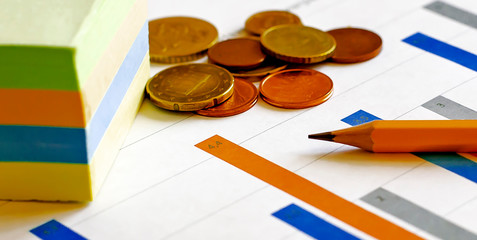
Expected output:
(326, 136)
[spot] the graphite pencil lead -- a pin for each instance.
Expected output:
(327, 136)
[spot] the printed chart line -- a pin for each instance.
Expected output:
(140, 191)
(443, 106)
(357, 119)
(416, 215)
(408, 211)
(449, 109)
(304, 111)
(273, 126)
(454, 13)
(303, 189)
(287, 119)
(462, 205)
(454, 162)
(157, 131)
(451, 161)
(54, 230)
(214, 212)
(442, 49)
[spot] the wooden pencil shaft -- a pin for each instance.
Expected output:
(412, 136)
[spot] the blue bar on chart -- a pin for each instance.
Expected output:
(310, 224)
(54, 230)
(451, 161)
(359, 117)
(414, 214)
(442, 49)
(303, 189)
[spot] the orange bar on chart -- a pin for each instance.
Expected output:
(304, 189)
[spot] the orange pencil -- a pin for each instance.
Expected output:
(408, 136)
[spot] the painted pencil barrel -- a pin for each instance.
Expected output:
(424, 136)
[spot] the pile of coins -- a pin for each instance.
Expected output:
(224, 86)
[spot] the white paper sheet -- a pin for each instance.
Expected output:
(163, 187)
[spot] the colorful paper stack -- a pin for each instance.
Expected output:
(72, 78)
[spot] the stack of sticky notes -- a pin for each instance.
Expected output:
(72, 76)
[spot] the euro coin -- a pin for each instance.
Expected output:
(267, 67)
(238, 53)
(180, 39)
(355, 45)
(298, 44)
(244, 97)
(190, 87)
(261, 21)
(296, 88)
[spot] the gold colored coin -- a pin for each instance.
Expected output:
(298, 44)
(190, 87)
(180, 39)
(259, 22)
(268, 67)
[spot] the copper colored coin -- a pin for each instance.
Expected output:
(239, 53)
(267, 67)
(244, 97)
(261, 21)
(355, 45)
(296, 88)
